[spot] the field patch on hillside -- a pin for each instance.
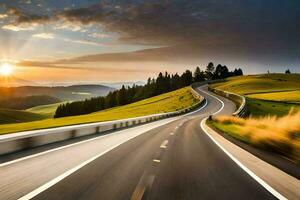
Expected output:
(45, 110)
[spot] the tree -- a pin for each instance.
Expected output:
(287, 71)
(199, 75)
(121, 96)
(209, 71)
(175, 81)
(186, 78)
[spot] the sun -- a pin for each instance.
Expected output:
(6, 69)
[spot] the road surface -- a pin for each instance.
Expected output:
(168, 159)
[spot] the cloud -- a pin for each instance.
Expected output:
(21, 17)
(250, 29)
(84, 42)
(70, 26)
(44, 35)
(3, 16)
(99, 35)
(12, 27)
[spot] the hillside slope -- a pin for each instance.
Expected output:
(22, 103)
(267, 94)
(8, 116)
(167, 102)
(45, 110)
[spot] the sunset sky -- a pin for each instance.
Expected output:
(129, 40)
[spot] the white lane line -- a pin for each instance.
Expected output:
(248, 171)
(81, 142)
(164, 144)
(222, 103)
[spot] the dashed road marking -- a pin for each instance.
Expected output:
(164, 144)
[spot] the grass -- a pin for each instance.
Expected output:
(276, 134)
(267, 94)
(290, 96)
(167, 102)
(259, 107)
(9, 116)
(265, 83)
(45, 110)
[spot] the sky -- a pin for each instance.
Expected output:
(130, 40)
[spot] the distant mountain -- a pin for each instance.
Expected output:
(118, 85)
(64, 93)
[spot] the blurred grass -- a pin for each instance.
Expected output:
(275, 134)
(167, 102)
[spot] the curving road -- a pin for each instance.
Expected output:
(167, 159)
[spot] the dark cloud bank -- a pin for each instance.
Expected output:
(266, 32)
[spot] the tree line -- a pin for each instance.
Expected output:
(164, 82)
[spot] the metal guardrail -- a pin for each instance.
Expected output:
(237, 99)
(13, 142)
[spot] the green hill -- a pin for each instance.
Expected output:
(45, 110)
(8, 116)
(167, 102)
(267, 94)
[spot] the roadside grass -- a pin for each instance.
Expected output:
(259, 108)
(9, 116)
(46, 110)
(275, 134)
(273, 104)
(167, 102)
(267, 94)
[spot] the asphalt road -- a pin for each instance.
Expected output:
(169, 159)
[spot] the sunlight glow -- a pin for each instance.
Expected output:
(6, 69)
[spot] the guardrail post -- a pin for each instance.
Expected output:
(97, 129)
(73, 134)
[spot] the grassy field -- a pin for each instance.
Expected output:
(8, 116)
(46, 110)
(168, 102)
(265, 83)
(268, 94)
(275, 134)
